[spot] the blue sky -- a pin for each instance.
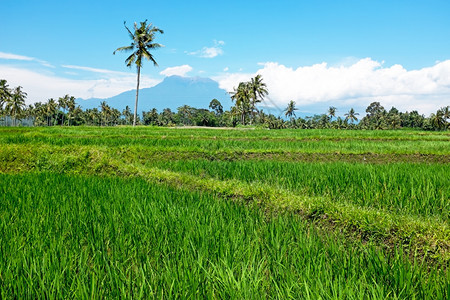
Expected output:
(318, 53)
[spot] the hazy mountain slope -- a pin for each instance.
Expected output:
(172, 92)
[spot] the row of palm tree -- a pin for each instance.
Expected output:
(246, 96)
(64, 111)
(350, 116)
(377, 118)
(439, 119)
(12, 102)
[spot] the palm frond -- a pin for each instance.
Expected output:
(130, 60)
(146, 54)
(125, 48)
(154, 46)
(129, 31)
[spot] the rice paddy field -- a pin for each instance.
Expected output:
(148, 212)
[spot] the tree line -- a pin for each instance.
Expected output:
(64, 111)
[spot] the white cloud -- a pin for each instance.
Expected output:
(226, 69)
(40, 86)
(11, 56)
(4, 55)
(94, 70)
(178, 70)
(356, 84)
(209, 52)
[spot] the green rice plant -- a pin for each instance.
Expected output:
(230, 133)
(67, 236)
(405, 188)
(331, 141)
(427, 232)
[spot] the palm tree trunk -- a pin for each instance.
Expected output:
(137, 94)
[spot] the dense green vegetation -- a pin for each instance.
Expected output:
(169, 212)
(246, 97)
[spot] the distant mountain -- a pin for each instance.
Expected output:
(172, 92)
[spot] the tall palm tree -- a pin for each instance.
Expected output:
(62, 103)
(126, 113)
(38, 114)
(51, 108)
(77, 115)
(258, 91)
(290, 109)
(446, 113)
(115, 116)
(141, 45)
(28, 113)
(16, 103)
(94, 116)
(351, 115)
(5, 93)
(185, 113)
(242, 96)
(105, 112)
(332, 112)
(438, 120)
(71, 105)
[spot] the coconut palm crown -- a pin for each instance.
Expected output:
(332, 112)
(5, 93)
(15, 104)
(290, 109)
(242, 95)
(258, 91)
(141, 45)
(351, 115)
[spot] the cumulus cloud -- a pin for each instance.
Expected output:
(178, 70)
(209, 52)
(355, 84)
(42, 86)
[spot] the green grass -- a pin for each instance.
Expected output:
(69, 236)
(406, 188)
(229, 133)
(320, 141)
(200, 213)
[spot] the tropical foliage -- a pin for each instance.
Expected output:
(290, 109)
(64, 111)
